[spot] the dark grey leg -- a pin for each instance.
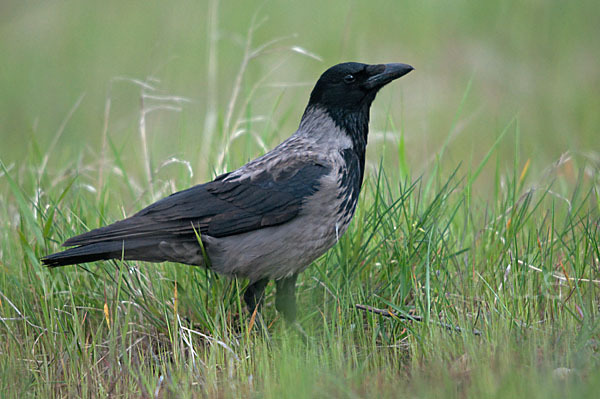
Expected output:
(254, 294)
(285, 300)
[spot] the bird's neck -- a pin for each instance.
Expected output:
(347, 128)
(338, 128)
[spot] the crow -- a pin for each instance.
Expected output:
(271, 218)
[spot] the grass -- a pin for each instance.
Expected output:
(501, 236)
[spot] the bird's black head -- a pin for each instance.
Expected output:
(346, 91)
(352, 86)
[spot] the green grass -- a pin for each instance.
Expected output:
(480, 209)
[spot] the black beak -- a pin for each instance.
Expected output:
(384, 74)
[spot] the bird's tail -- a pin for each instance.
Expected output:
(130, 249)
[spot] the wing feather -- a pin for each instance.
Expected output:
(230, 204)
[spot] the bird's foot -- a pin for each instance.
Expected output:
(298, 329)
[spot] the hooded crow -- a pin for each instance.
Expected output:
(269, 219)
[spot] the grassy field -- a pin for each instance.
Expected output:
(480, 214)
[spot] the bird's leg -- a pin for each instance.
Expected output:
(285, 300)
(254, 294)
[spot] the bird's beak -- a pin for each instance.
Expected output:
(384, 74)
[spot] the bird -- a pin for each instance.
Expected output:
(271, 218)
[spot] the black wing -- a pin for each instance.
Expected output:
(223, 207)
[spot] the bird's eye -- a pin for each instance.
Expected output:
(349, 78)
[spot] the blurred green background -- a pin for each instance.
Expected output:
(534, 60)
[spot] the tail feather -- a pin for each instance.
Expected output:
(134, 238)
(131, 249)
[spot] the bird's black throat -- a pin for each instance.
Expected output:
(355, 123)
